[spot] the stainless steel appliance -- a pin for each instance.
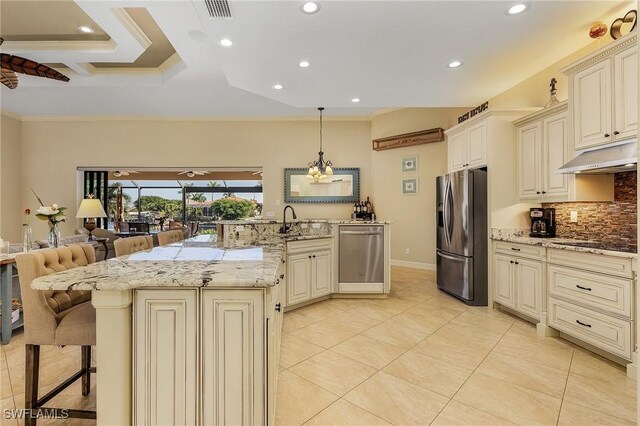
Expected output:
(543, 222)
(461, 254)
(361, 258)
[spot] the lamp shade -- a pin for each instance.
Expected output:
(89, 208)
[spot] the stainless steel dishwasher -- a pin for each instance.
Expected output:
(361, 254)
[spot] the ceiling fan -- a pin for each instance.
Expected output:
(10, 65)
(193, 173)
(118, 173)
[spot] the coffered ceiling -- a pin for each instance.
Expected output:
(163, 58)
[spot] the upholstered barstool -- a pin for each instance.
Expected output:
(56, 318)
(133, 244)
(168, 237)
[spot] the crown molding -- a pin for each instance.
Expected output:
(11, 115)
(610, 49)
(131, 26)
(543, 113)
(45, 46)
(98, 118)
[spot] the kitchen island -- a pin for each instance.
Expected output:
(187, 333)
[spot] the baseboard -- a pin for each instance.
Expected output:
(416, 265)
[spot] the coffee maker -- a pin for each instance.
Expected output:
(543, 222)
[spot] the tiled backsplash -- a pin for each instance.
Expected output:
(614, 222)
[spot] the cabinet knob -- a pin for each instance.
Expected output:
(616, 133)
(281, 276)
(314, 256)
(544, 192)
(309, 256)
(277, 281)
(606, 135)
(517, 263)
(282, 260)
(538, 192)
(278, 307)
(511, 261)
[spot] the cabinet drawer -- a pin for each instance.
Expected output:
(521, 250)
(608, 333)
(611, 294)
(309, 245)
(600, 263)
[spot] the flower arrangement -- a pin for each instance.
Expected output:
(54, 214)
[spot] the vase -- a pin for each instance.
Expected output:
(27, 238)
(54, 236)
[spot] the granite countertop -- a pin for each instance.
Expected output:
(556, 243)
(277, 222)
(197, 262)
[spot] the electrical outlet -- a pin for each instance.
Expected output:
(574, 216)
(316, 225)
(271, 214)
(407, 251)
(304, 226)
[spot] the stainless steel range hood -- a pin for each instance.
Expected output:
(611, 159)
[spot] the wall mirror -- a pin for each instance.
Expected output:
(343, 186)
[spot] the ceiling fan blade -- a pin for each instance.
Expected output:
(29, 67)
(182, 173)
(8, 78)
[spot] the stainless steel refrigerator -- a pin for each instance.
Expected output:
(461, 254)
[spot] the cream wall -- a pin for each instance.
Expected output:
(413, 217)
(56, 148)
(10, 177)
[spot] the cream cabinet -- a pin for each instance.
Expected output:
(207, 356)
(591, 299)
(518, 280)
(604, 94)
(309, 270)
(165, 357)
(542, 149)
(468, 147)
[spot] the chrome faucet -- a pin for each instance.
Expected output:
(284, 229)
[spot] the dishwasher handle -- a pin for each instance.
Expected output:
(361, 232)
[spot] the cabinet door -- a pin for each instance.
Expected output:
(274, 330)
(165, 358)
(529, 164)
(299, 278)
(458, 151)
(626, 94)
(233, 350)
(592, 105)
(321, 282)
(503, 280)
(528, 283)
(477, 145)
(555, 152)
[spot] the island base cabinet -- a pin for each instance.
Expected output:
(165, 357)
(232, 358)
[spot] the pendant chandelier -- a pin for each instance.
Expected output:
(320, 169)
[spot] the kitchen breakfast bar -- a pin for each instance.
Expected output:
(187, 333)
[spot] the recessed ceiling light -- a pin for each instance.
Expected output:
(225, 42)
(304, 64)
(517, 8)
(310, 7)
(455, 64)
(85, 29)
(277, 86)
(355, 100)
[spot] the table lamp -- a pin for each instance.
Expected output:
(90, 208)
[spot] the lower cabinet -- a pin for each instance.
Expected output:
(518, 284)
(309, 270)
(207, 356)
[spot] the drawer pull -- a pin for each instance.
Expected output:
(515, 249)
(583, 288)
(584, 324)
(278, 307)
(277, 281)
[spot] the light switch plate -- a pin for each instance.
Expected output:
(574, 216)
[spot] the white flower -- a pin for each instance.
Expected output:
(47, 211)
(54, 207)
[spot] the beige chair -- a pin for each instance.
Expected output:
(168, 237)
(130, 245)
(57, 318)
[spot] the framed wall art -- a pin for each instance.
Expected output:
(410, 164)
(410, 186)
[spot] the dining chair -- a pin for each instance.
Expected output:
(56, 318)
(130, 245)
(169, 237)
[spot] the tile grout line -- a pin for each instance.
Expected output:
(566, 383)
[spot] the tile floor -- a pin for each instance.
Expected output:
(419, 357)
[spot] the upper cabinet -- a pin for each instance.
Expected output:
(542, 149)
(604, 95)
(468, 147)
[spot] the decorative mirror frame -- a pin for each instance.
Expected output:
(353, 171)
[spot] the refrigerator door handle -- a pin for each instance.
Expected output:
(445, 213)
(454, 258)
(449, 203)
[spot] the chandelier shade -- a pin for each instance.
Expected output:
(320, 168)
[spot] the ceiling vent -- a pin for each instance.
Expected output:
(218, 8)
